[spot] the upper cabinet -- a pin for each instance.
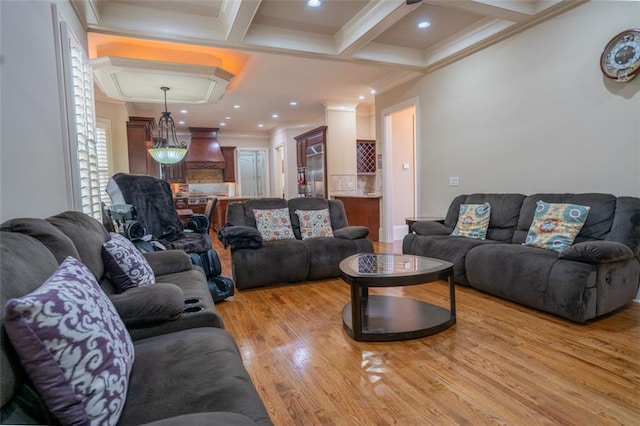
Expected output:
(229, 172)
(366, 156)
(139, 140)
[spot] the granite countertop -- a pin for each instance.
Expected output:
(359, 196)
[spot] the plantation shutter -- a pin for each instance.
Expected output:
(103, 162)
(87, 175)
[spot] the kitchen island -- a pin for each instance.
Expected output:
(363, 210)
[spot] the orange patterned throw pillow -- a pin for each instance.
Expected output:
(314, 223)
(274, 224)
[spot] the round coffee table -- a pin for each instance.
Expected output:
(385, 318)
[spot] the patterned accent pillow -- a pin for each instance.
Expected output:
(73, 345)
(555, 226)
(126, 265)
(314, 223)
(473, 221)
(274, 224)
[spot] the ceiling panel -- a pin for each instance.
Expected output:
(297, 16)
(444, 23)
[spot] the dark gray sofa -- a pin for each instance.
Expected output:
(187, 368)
(293, 260)
(598, 274)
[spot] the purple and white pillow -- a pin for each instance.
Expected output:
(126, 265)
(73, 345)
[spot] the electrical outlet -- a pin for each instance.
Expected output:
(454, 181)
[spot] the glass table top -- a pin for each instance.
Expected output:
(375, 264)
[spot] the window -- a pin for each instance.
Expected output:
(103, 160)
(86, 155)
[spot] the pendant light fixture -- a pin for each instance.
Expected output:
(166, 149)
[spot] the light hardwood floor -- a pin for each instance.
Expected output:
(500, 364)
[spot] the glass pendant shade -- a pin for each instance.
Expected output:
(166, 149)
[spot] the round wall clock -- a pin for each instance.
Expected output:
(620, 60)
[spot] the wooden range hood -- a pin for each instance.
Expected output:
(204, 150)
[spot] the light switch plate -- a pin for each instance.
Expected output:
(454, 181)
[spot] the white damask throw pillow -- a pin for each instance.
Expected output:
(73, 345)
(126, 265)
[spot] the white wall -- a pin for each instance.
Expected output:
(530, 114)
(116, 113)
(33, 178)
(402, 179)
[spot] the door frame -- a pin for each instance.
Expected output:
(387, 234)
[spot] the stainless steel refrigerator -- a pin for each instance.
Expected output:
(315, 173)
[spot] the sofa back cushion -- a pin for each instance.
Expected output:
(505, 209)
(55, 240)
(87, 234)
(25, 264)
(596, 227)
(625, 228)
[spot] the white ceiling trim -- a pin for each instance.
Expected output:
(237, 17)
(128, 80)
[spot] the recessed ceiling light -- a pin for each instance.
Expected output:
(293, 103)
(260, 125)
(227, 118)
(274, 115)
(424, 24)
(373, 91)
(313, 3)
(236, 106)
(183, 111)
(361, 97)
(180, 122)
(223, 124)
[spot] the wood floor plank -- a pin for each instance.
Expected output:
(501, 363)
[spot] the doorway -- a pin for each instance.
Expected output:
(399, 130)
(279, 175)
(252, 165)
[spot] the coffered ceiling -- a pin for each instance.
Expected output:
(272, 52)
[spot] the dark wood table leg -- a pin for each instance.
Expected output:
(356, 311)
(452, 296)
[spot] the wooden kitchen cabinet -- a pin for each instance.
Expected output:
(229, 171)
(139, 140)
(175, 173)
(363, 211)
(301, 152)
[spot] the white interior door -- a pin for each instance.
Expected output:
(252, 165)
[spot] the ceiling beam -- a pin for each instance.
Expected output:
(375, 18)
(237, 17)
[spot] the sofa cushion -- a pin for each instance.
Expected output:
(125, 264)
(73, 345)
(325, 254)
(352, 232)
(536, 278)
(556, 225)
(251, 205)
(445, 247)
(209, 367)
(55, 240)
(306, 203)
(626, 223)
(274, 224)
(314, 223)
(596, 227)
(87, 235)
(473, 221)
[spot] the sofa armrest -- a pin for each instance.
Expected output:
(149, 304)
(430, 228)
(168, 261)
(240, 237)
(351, 232)
(597, 252)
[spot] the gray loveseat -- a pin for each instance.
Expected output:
(596, 275)
(293, 260)
(187, 369)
